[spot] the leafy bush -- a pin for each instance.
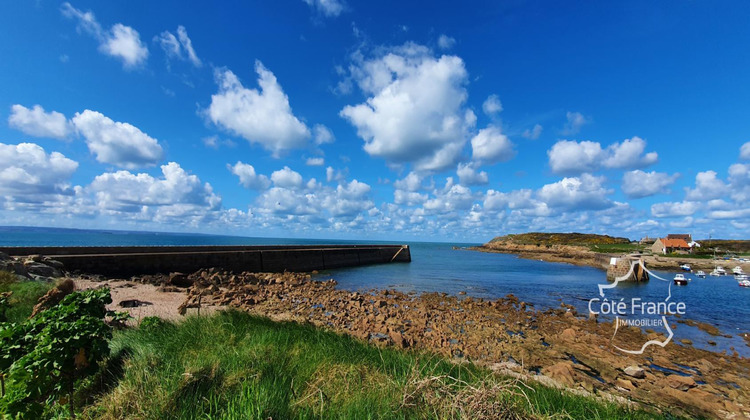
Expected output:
(151, 323)
(43, 357)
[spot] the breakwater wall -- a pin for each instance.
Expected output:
(135, 260)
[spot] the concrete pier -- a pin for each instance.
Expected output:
(134, 260)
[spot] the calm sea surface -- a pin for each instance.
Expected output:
(436, 267)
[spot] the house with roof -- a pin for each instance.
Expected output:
(668, 246)
(686, 236)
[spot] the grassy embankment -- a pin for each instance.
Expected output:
(595, 243)
(24, 297)
(235, 365)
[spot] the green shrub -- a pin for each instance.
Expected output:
(43, 357)
(151, 323)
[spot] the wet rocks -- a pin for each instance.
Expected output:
(635, 372)
(679, 382)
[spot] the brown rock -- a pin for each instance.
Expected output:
(681, 383)
(180, 280)
(399, 340)
(563, 372)
(54, 296)
(625, 383)
(635, 372)
(568, 334)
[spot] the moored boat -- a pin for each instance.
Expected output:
(686, 267)
(744, 283)
(680, 280)
(701, 274)
(720, 271)
(738, 270)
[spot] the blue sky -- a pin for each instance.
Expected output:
(377, 120)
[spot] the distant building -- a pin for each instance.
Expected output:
(668, 246)
(684, 236)
(647, 241)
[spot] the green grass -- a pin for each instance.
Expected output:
(617, 248)
(687, 256)
(233, 365)
(25, 295)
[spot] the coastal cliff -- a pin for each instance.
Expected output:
(573, 248)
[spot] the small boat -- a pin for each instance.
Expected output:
(744, 283)
(686, 267)
(738, 270)
(680, 280)
(721, 271)
(741, 277)
(701, 274)
(716, 273)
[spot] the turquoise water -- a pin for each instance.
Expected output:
(436, 267)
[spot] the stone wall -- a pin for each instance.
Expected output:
(128, 261)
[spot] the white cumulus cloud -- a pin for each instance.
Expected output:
(675, 209)
(745, 151)
(322, 134)
(176, 196)
(415, 112)
(532, 133)
(260, 116)
(629, 154)
(469, 175)
(573, 157)
(707, 187)
(490, 145)
(492, 105)
(248, 177)
(638, 184)
(120, 41)
(286, 178)
(39, 123)
(584, 192)
(568, 156)
(29, 174)
(315, 161)
(117, 143)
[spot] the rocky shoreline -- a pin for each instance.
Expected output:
(579, 255)
(558, 347)
(554, 253)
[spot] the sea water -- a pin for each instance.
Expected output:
(437, 267)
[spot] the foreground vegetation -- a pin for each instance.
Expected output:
(23, 296)
(235, 365)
